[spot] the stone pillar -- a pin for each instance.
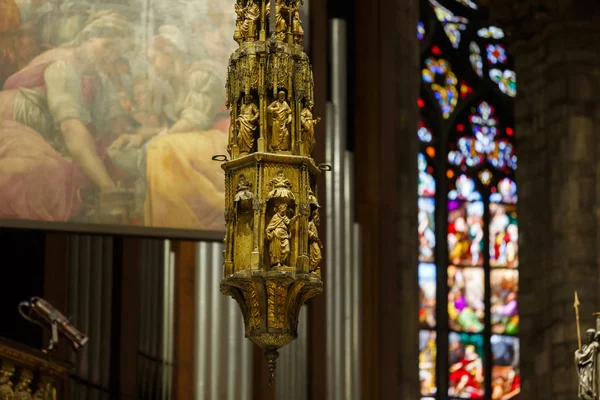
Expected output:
(386, 85)
(557, 56)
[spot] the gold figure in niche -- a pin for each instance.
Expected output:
(282, 117)
(315, 255)
(247, 123)
(251, 18)
(280, 19)
(237, 33)
(244, 190)
(278, 235)
(308, 127)
(297, 30)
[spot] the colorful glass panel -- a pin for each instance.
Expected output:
(427, 362)
(505, 192)
(506, 81)
(503, 297)
(438, 73)
(427, 294)
(453, 25)
(492, 32)
(464, 189)
(476, 163)
(420, 30)
(496, 54)
(468, 3)
(483, 144)
(485, 176)
(504, 236)
(466, 303)
(424, 134)
(506, 378)
(426, 229)
(465, 232)
(466, 359)
(426, 180)
(475, 58)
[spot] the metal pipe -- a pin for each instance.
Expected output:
(201, 321)
(329, 255)
(338, 96)
(356, 291)
(348, 265)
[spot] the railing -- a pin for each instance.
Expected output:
(27, 374)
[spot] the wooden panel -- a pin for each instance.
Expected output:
(185, 313)
(129, 317)
(376, 166)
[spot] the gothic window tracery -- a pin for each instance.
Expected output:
(467, 222)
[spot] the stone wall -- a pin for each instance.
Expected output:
(557, 123)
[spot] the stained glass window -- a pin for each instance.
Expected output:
(468, 225)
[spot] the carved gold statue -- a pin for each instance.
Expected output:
(238, 36)
(272, 246)
(297, 30)
(315, 243)
(586, 359)
(278, 235)
(308, 127)
(281, 24)
(282, 117)
(251, 20)
(247, 123)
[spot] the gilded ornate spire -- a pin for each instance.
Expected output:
(273, 251)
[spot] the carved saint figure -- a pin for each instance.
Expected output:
(237, 33)
(308, 127)
(281, 187)
(244, 190)
(315, 244)
(280, 19)
(282, 117)
(278, 235)
(585, 361)
(297, 30)
(247, 122)
(231, 134)
(251, 18)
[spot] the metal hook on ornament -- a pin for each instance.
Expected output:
(220, 158)
(325, 167)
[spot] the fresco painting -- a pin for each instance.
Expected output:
(110, 112)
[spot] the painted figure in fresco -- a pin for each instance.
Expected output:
(247, 122)
(282, 117)
(278, 235)
(308, 127)
(183, 188)
(466, 376)
(586, 363)
(57, 117)
(251, 19)
(315, 244)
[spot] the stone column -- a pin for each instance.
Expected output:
(386, 86)
(557, 56)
